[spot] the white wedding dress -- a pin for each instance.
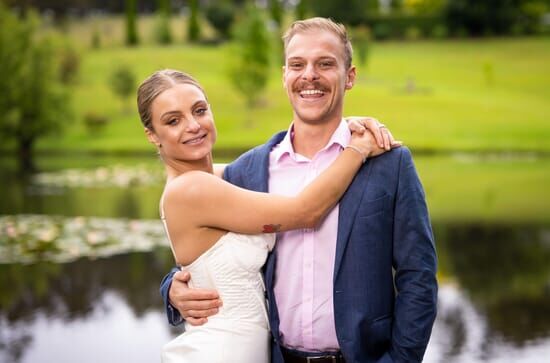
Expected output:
(239, 332)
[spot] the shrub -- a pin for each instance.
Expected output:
(95, 122)
(123, 82)
(250, 72)
(193, 26)
(221, 16)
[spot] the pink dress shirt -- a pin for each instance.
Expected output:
(305, 258)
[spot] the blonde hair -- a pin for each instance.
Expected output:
(318, 23)
(154, 85)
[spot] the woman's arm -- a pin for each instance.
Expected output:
(202, 200)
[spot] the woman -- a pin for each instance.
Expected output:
(219, 232)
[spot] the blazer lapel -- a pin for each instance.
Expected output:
(257, 171)
(348, 206)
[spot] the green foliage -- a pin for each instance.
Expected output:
(250, 73)
(96, 39)
(360, 40)
(69, 64)
(123, 82)
(131, 27)
(95, 122)
(276, 11)
(193, 26)
(34, 102)
(221, 16)
(353, 12)
(404, 26)
(163, 33)
(494, 17)
(301, 10)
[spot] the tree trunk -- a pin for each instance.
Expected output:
(26, 163)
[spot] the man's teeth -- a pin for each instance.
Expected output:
(311, 92)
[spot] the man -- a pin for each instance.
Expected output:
(332, 295)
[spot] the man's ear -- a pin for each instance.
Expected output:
(284, 76)
(350, 77)
(151, 136)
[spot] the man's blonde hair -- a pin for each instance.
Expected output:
(312, 24)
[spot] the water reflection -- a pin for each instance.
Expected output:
(499, 315)
(99, 301)
(74, 293)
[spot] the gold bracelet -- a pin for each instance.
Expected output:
(353, 147)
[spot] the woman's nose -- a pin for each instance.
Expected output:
(192, 125)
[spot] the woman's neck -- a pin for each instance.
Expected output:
(175, 168)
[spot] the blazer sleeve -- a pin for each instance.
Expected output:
(415, 263)
(173, 315)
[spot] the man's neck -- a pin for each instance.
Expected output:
(308, 139)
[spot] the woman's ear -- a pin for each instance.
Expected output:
(152, 137)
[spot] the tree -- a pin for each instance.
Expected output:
(353, 13)
(490, 17)
(123, 82)
(193, 27)
(250, 73)
(131, 27)
(163, 32)
(301, 10)
(361, 39)
(221, 16)
(276, 11)
(34, 101)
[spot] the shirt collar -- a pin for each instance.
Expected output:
(341, 137)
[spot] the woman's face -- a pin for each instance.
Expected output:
(183, 126)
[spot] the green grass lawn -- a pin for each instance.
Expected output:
(462, 95)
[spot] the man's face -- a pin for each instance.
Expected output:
(315, 77)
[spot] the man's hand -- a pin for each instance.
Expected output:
(382, 135)
(194, 305)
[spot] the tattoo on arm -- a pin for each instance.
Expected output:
(271, 228)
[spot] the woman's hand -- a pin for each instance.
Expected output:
(383, 136)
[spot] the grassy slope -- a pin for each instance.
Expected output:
(453, 107)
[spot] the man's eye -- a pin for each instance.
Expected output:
(295, 65)
(326, 64)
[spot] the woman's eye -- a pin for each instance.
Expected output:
(172, 121)
(200, 111)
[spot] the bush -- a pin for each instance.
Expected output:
(221, 17)
(402, 25)
(96, 39)
(250, 72)
(69, 65)
(131, 26)
(123, 82)
(193, 27)
(163, 33)
(95, 122)
(34, 102)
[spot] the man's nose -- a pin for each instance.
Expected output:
(310, 73)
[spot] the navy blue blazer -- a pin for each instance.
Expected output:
(385, 288)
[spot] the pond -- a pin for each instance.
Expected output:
(82, 254)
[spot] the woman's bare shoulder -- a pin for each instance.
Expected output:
(190, 186)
